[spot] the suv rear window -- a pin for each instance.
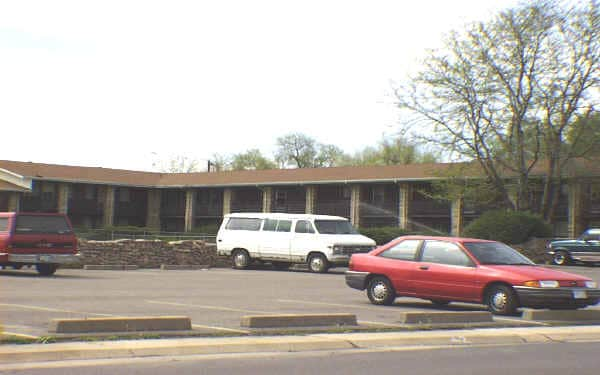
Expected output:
(42, 224)
(243, 223)
(3, 224)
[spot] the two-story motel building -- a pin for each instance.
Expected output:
(370, 196)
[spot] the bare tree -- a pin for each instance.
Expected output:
(497, 92)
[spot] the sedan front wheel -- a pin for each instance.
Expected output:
(502, 300)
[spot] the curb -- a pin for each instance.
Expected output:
(17, 354)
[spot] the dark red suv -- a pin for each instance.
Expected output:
(36, 239)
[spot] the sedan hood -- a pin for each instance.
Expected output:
(526, 273)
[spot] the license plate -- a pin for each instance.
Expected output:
(579, 294)
(45, 258)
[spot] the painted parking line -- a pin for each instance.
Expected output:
(50, 309)
(208, 307)
(220, 328)
(519, 320)
(327, 304)
(368, 323)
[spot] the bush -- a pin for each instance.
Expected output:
(382, 235)
(512, 227)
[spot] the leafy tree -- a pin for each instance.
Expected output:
(584, 137)
(298, 150)
(392, 152)
(505, 93)
(251, 160)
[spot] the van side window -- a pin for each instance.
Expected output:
(3, 224)
(304, 226)
(284, 225)
(243, 223)
(270, 225)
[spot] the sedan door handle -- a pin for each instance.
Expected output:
(424, 268)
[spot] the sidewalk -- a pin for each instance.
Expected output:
(14, 354)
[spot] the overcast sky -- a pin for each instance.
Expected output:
(109, 83)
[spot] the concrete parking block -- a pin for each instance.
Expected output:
(121, 324)
(429, 317)
(110, 267)
(298, 320)
(562, 315)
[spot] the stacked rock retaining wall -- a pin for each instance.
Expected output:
(148, 253)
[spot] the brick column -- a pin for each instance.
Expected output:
(576, 220)
(355, 205)
(311, 197)
(456, 217)
(190, 199)
(267, 199)
(14, 202)
(108, 202)
(403, 205)
(226, 201)
(63, 198)
(153, 209)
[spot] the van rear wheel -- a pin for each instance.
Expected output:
(46, 269)
(240, 259)
(318, 263)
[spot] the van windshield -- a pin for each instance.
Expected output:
(42, 224)
(335, 227)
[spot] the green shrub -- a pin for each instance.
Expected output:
(382, 235)
(512, 227)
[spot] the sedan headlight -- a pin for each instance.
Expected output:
(542, 284)
(591, 284)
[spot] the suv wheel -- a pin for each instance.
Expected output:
(46, 269)
(561, 258)
(318, 263)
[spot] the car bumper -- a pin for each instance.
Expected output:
(557, 297)
(356, 280)
(44, 258)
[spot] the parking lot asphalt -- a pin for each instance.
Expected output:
(215, 299)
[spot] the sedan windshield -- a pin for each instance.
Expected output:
(334, 227)
(496, 253)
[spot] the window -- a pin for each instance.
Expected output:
(273, 225)
(304, 226)
(405, 250)
(284, 225)
(123, 195)
(334, 227)
(42, 224)
(3, 224)
(444, 253)
(243, 223)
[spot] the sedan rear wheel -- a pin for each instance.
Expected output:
(46, 269)
(502, 300)
(380, 291)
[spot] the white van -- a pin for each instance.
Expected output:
(320, 241)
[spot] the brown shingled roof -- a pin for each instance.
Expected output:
(409, 172)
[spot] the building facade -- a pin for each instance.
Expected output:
(183, 202)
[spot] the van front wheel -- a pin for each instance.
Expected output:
(240, 259)
(318, 263)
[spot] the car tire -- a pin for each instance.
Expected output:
(318, 263)
(380, 291)
(502, 300)
(281, 265)
(440, 302)
(561, 258)
(240, 259)
(46, 269)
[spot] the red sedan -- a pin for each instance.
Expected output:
(445, 269)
